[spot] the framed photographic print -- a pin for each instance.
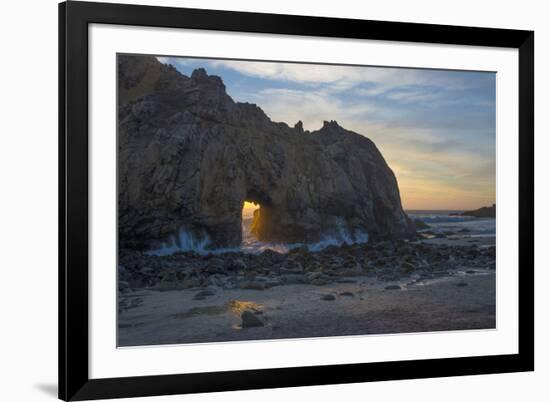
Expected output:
(257, 200)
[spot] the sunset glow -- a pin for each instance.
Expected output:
(249, 208)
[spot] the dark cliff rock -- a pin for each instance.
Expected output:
(420, 225)
(483, 212)
(189, 156)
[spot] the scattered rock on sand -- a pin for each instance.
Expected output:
(293, 279)
(355, 271)
(236, 264)
(249, 320)
(191, 283)
(346, 281)
(253, 285)
(204, 294)
(388, 261)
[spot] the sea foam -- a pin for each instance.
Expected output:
(202, 244)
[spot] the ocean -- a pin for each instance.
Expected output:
(442, 222)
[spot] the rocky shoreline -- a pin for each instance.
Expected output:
(388, 287)
(385, 261)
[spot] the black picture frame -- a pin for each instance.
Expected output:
(74, 18)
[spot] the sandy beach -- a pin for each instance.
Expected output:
(349, 306)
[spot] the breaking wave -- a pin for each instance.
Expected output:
(185, 241)
(201, 244)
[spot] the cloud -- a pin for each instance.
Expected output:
(413, 95)
(334, 78)
(312, 107)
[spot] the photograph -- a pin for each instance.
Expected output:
(275, 201)
(263, 200)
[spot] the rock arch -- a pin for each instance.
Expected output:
(189, 156)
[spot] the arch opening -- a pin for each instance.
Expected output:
(250, 222)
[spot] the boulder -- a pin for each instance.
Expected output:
(249, 320)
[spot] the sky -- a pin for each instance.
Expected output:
(435, 128)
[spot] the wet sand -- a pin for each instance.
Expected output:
(362, 305)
